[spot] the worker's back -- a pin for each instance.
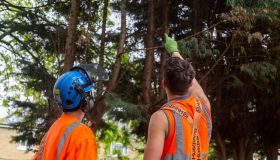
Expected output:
(68, 139)
(178, 142)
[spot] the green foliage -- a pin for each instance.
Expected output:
(255, 4)
(123, 110)
(247, 13)
(111, 133)
(236, 82)
(212, 152)
(125, 59)
(128, 113)
(32, 35)
(241, 82)
(197, 48)
(262, 71)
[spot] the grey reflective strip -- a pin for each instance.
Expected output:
(175, 157)
(41, 149)
(209, 124)
(168, 121)
(179, 141)
(186, 157)
(204, 155)
(179, 137)
(64, 137)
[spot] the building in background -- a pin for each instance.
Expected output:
(10, 150)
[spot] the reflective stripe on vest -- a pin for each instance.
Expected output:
(184, 157)
(42, 147)
(62, 140)
(196, 144)
(209, 123)
(179, 141)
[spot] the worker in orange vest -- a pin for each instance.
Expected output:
(181, 129)
(68, 138)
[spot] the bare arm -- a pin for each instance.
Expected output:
(156, 136)
(195, 89)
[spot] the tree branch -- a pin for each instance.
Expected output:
(216, 63)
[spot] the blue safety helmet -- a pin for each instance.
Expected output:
(75, 86)
(65, 89)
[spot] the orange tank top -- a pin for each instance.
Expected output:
(178, 141)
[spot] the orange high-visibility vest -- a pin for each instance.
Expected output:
(68, 139)
(178, 141)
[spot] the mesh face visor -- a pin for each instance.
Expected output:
(94, 72)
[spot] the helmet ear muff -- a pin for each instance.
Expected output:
(87, 102)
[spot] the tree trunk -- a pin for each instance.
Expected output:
(196, 27)
(71, 35)
(102, 44)
(149, 60)
(100, 108)
(54, 109)
(97, 113)
(249, 150)
(196, 16)
(164, 53)
(117, 65)
(272, 153)
(221, 147)
(240, 147)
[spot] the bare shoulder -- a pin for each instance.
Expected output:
(156, 136)
(158, 121)
(158, 116)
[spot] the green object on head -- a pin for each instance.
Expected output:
(170, 44)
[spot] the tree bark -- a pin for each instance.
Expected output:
(149, 60)
(54, 109)
(272, 153)
(196, 16)
(102, 44)
(71, 35)
(164, 53)
(117, 65)
(221, 147)
(100, 108)
(241, 146)
(195, 26)
(249, 149)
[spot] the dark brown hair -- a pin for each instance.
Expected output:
(178, 75)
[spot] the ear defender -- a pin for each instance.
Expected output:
(87, 102)
(90, 103)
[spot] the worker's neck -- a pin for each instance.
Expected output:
(78, 114)
(171, 96)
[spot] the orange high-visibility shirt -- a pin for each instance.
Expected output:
(178, 141)
(68, 139)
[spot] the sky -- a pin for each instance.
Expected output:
(3, 112)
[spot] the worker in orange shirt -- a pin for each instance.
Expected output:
(68, 138)
(181, 129)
